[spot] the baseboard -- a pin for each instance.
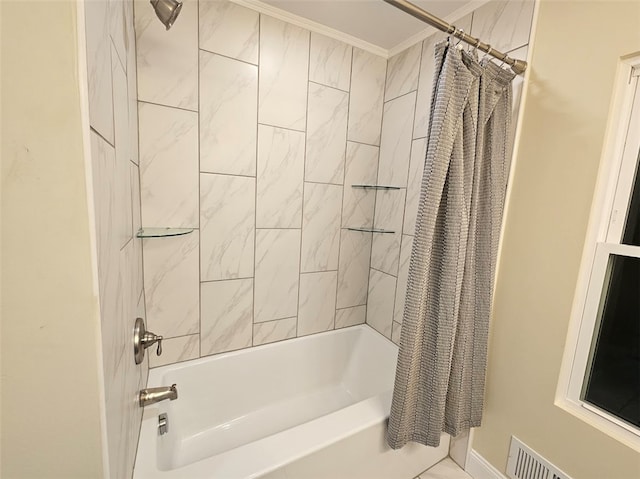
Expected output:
(479, 468)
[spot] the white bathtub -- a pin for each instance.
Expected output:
(281, 409)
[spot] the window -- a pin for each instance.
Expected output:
(600, 379)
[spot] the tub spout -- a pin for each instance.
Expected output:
(154, 395)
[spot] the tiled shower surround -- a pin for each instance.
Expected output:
(252, 131)
(250, 128)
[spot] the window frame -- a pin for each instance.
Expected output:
(604, 238)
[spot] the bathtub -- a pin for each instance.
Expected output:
(314, 406)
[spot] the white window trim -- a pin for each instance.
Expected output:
(605, 229)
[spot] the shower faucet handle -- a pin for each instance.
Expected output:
(143, 339)
(149, 339)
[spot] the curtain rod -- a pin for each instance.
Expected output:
(518, 66)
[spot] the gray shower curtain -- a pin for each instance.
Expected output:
(440, 376)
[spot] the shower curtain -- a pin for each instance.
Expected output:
(440, 375)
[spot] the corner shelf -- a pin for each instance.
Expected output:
(371, 230)
(376, 187)
(162, 232)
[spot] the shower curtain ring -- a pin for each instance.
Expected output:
(451, 34)
(459, 32)
(487, 53)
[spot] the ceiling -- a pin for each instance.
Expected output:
(373, 21)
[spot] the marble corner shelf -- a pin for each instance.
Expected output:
(371, 230)
(162, 232)
(376, 187)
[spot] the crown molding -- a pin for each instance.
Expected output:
(428, 31)
(316, 27)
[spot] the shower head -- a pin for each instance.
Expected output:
(167, 11)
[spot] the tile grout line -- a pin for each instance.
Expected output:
(283, 127)
(277, 228)
(325, 183)
(188, 335)
(113, 106)
(344, 189)
(255, 205)
(375, 198)
(124, 68)
(143, 295)
(199, 197)
(200, 49)
(206, 281)
(405, 94)
(319, 271)
(304, 174)
(91, 128)
(328, 86)
(225, 174)
(419, 83)
(361, 142)
(275, 320)
(173, 107)
(384, 272)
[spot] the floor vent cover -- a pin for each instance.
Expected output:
(524, 463)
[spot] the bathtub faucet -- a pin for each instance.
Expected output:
(154, 395)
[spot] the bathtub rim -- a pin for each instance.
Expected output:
(155, 372)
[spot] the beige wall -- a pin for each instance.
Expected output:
(50, 325)
(575, 53)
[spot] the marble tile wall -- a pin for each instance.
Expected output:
(409, 83)
(252, 131)
(113, 121)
